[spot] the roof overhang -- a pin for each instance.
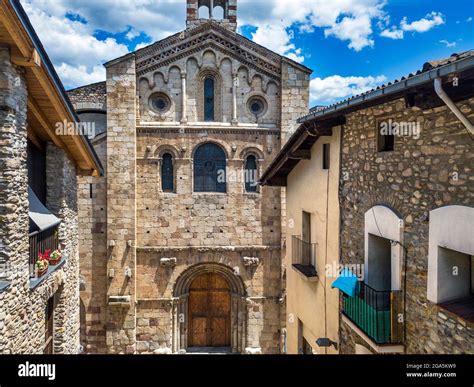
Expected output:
(419, 88)
(48, 103)
(298, 148)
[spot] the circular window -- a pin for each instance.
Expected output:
(160, 102)
(257, 106)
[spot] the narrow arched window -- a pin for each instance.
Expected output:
(209, 169)
(167, 173)
(209, 99)
(250, 174)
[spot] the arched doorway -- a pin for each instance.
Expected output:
(209, 311)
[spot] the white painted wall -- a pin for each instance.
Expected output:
(451, 227)
(383, 222)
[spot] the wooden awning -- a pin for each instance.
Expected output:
(48, 103)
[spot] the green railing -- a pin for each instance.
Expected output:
(376, 313)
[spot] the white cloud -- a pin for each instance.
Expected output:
(448, 43)
(392, 33)
(430, 21)
(333, 88)
(80, 75)
(469, 19)
(75, 52)
(74, 45)
(354, 29)
(347, 20)
(277, 38)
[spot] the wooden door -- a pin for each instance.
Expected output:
(209, 312)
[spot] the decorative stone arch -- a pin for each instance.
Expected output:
(162, 149)
(209, 72)
(383, 232)
(158, 155)
(238, 305)
(450, 245)
(219, 143)
(270, 82)
(254, 151)
(246, 71)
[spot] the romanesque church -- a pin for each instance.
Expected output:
(180, 248)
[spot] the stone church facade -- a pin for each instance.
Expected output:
(179, 248)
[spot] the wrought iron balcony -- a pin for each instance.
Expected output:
(376, 313)
(304, 257)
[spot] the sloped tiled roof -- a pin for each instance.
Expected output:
(428, 66)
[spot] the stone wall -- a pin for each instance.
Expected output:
(294, 97)
(92, 203)
(225, 70)
(94, 93)
(121, 197)
(186, 218)
(156, 293)
(22, 305)
(417, 177)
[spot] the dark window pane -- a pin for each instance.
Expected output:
(167, 173)
(209, 169)
(209, 99)
(326, 155)
(385, 141)
(36, 162)
(250, 174)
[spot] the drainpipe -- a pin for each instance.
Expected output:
(450, 104)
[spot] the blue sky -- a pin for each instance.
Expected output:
(352, 45)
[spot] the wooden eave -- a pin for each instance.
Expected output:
(296, 149)
(46, 105)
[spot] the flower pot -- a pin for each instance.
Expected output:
(40, 273)
(54, 261)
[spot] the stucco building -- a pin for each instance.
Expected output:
(39, 165)
(406, 203)
(180, 248)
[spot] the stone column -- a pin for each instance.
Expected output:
(235, 83)
(184, 116)
(121, 211)
(211, 9)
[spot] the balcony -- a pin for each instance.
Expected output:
(375, 313)
(40, 241)
(304, 258)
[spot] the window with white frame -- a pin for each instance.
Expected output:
(450, 259)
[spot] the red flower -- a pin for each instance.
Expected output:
(44, 256)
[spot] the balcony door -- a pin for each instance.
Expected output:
(306, 237)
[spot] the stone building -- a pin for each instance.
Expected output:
(180, 248)
(308, 166)
(38, 196)
(406, 203)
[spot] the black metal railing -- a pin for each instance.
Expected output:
(40, 242)
(376, 313)
(304, 256)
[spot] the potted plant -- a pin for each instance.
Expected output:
(55, 257)
(41, 266)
